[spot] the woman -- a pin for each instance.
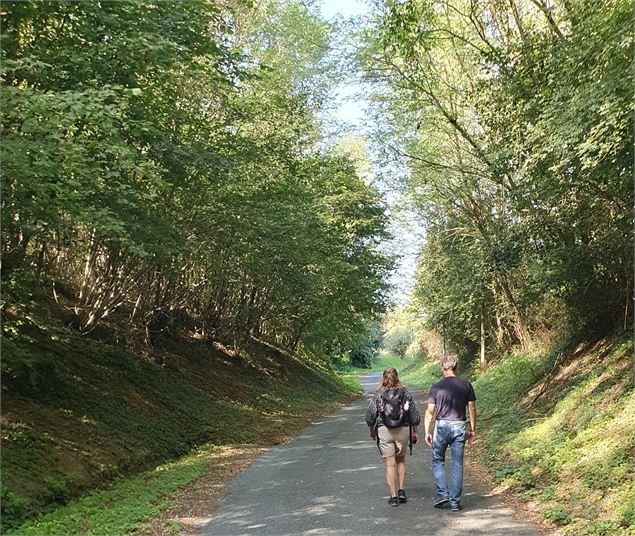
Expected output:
(390, 416)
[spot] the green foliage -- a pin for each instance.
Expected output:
(555, 513)
(361, 357)
(398, 334)
(14, 508)
(422, 374)
(515, 125)
(161, 157)
(25, 373)
(173, 527)
(597, 528)
(363, 351)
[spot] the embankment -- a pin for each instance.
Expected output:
(77, 413)
(557, 429)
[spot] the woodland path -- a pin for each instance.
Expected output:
(329, 480)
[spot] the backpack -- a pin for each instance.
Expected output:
(391, 406)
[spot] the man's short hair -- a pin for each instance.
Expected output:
(449, 362)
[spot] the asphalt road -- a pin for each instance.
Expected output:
(329, 480)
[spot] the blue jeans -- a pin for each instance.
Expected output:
(449, 434)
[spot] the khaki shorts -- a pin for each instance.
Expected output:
(393, 441)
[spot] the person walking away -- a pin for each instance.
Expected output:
(392, 418)
(448, 400)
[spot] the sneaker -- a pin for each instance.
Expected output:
(393, 501)
(401, 494)
(456, 507)
(441, 502)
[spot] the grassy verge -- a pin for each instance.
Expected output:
(124, 506)
(422, 375)
(558, 430)
(349, 379)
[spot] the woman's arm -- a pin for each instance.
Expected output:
(371, 412)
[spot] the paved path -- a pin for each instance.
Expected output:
(329, 480)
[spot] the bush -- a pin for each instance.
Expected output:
(14, 509)
(361, 357)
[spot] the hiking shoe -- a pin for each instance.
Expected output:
(401, 494)
(456, 507)
(441, 502)
(393, 501)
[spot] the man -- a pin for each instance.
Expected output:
(448, 398)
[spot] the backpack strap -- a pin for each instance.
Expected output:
(407, 416)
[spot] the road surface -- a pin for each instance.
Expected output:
(329, 480)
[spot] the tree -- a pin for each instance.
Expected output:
(513, 122)
(163, 160)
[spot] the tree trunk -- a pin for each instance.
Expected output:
(483, 360)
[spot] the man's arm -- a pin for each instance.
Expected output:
(471, 434)
(428, 422)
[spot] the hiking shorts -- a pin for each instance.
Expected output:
(393, 441)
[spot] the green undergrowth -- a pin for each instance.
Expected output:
(350, 379)
(79, 413)
(422, 374)
(558, 429)
(122, 508)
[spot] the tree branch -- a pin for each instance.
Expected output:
(547, 12)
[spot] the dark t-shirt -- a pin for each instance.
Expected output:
(451, 395)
